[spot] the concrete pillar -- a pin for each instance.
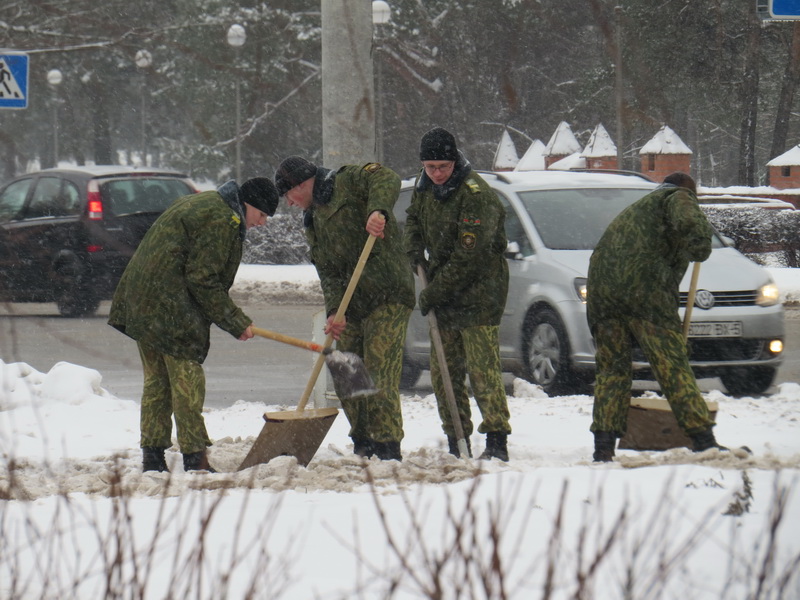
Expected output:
(348, 94)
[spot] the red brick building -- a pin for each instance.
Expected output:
(665, 153)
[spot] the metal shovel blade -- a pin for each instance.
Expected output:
(297, 433)
(349, 373)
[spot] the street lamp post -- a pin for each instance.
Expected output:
(54, 78)
(236, 38)
(381, 14)
(143, 60)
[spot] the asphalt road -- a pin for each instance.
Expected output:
(258, 370)
(255, 370)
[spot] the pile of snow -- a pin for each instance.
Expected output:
(63, 436)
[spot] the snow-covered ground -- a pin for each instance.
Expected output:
(79, 519)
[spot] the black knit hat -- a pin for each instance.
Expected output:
(260, 193)
(438, 144)
(293, 171)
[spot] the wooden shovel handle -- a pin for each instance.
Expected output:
(687, 315)
(340, 311)
(279, 337)
(447, 381)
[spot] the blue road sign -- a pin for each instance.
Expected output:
(14, 80)
(784, 9)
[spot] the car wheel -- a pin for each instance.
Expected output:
(546, 352)
(410, 375)
(747, 381)
(76, 298)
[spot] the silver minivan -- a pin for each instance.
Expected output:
(553, 221)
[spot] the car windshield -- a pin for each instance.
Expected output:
(575, 219)
(140, 194)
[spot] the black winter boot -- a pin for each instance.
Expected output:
(153, 460)
(705, 440)
(387, 450)
(363, 447)
(452, 444)
(604, 444)
(197, 461)
(496, 446)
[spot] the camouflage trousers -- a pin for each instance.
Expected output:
(379, 340)
(666, 352)
(172, 386)
(474, 351)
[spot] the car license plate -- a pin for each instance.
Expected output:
(716, 329)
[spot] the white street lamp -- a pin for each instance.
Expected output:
(54, 78)
(381, 14)
(236, 38)
(143, 60)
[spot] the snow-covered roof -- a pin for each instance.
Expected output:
(573, 161)
(790, 158)
(665, 141)
(562, 142)
(600, 144)
(533, 159)
(505, 157)
(742, 190)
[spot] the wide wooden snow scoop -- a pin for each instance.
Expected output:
(300, 432)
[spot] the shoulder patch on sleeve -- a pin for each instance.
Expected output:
(372, 167)
(473, 186)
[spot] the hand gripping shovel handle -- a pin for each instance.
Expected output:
(348, 294)
(687, 315)
(436, 338)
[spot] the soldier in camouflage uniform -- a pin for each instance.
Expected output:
(457, 219)
(634, 275)
(175, 286)
(341, 209)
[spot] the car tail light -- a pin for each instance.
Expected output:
(95, 202)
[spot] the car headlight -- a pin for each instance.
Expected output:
(580, 288)
(768, 295)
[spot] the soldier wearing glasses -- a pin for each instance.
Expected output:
(455, 230)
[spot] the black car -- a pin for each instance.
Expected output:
(67, 234)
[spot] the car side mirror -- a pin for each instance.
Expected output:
(512, 251)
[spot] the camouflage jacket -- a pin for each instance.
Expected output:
(335, 229)
(637, 266)
(461, 226)
(177, 281)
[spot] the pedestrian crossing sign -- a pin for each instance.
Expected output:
(14, 80)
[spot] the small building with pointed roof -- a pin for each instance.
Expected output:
(601, 151)
(665, 153)
(562, 144)
(784, 170)
(505, 157)
(533, 159)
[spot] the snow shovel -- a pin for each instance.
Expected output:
(300, 432)
(346, 368)
(436, 338)
(687, 315)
